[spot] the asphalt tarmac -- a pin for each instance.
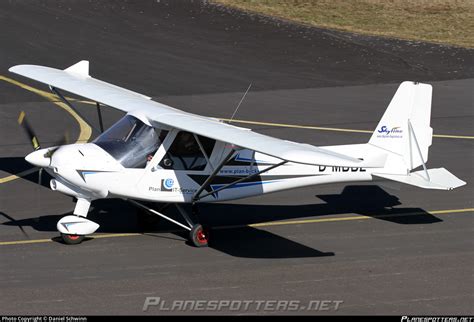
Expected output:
(378, 248)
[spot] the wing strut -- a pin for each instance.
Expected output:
(198, 197)
(214, 173)
(202, 150)
(99, 113)
(65, 101)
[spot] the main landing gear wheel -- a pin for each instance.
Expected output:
(72, 239)
(199, 236)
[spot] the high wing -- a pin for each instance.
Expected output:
(76, 80)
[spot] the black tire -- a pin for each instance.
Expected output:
(72, 239)
(199, 236)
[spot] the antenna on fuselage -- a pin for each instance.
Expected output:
(238, 105)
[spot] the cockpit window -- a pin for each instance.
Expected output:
(186, 154)
(131, 142)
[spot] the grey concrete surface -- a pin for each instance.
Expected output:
(397, 259)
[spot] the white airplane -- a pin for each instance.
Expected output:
(157, 153)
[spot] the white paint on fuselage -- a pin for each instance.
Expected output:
(92, 169)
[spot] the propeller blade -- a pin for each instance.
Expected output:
(29, 131)
(40, 175)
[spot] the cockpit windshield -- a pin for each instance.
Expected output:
(131, 142)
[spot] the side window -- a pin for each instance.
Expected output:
(185, 153)
(161, 137)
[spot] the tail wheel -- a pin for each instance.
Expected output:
(72, 239)
(199, 236)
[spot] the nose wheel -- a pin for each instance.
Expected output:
(72, 239)
(199, 236)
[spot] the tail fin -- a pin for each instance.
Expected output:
(404, 131)
(405, 126)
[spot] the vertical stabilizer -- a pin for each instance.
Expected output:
(405, 126)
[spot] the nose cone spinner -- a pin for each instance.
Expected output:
(37, 158)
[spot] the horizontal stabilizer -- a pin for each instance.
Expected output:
(439, 178)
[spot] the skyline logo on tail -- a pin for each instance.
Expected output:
(386, 132)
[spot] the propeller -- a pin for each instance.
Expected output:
(29, 131)
(23, 122)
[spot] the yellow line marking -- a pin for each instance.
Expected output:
(116, 235)
(335, 129)
(266, 224)
(18, 175)
(22, 242)
(40, 241)
(85, 130)
(358, 217)
(446, 136)
(308, 127)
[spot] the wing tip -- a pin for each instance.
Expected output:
(15, 68)
(24, 68)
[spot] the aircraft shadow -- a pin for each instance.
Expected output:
(119, 216)
(238, 239)
(16, 165)
(250, 242)
(365, 200)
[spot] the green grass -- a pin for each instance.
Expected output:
(440, 21)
